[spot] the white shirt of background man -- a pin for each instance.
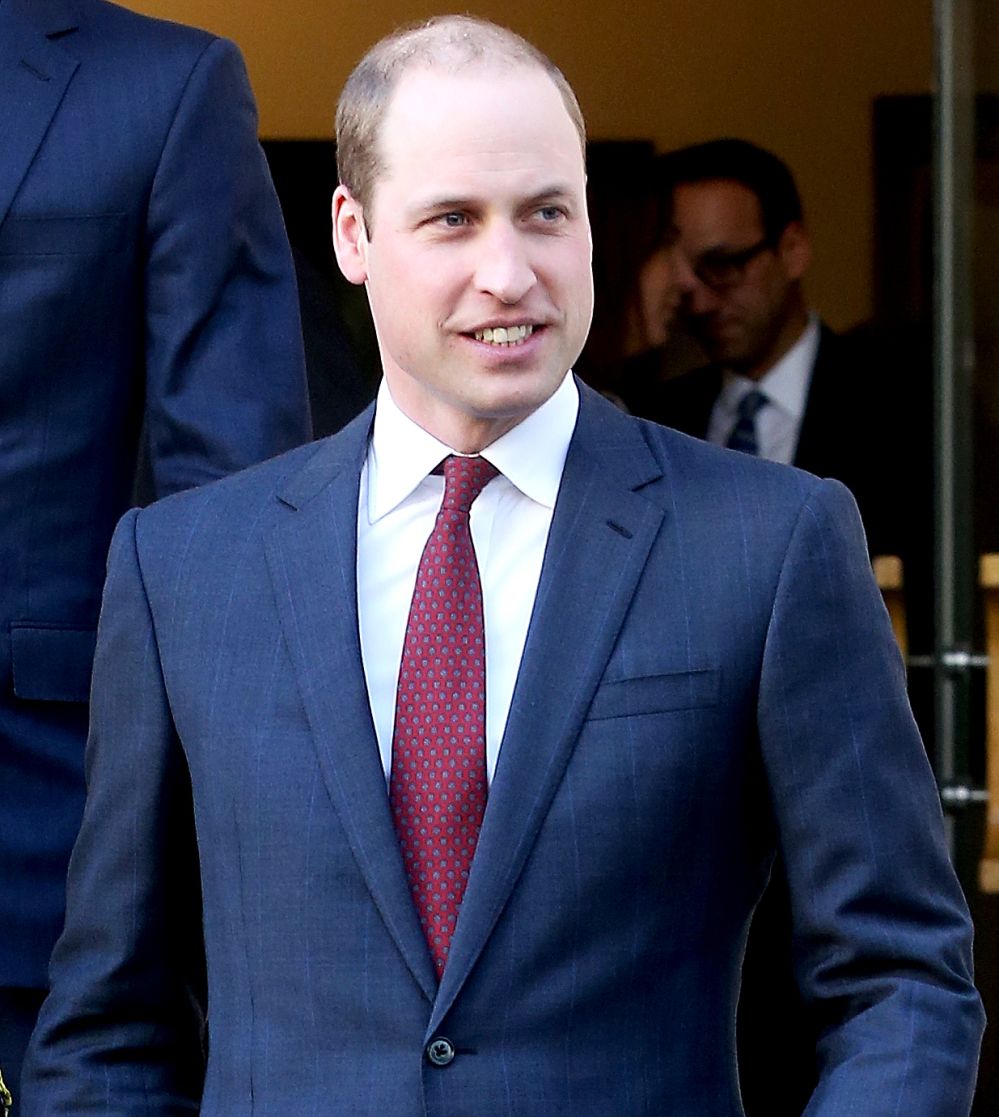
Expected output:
(778, 424)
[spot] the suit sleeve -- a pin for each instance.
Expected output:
(881, 930)
(225, 369)
(121, 1031)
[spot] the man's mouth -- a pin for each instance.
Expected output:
(504, 335)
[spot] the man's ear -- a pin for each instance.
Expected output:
(350, 238)
(795, 250)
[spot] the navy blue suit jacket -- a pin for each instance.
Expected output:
(144, 278)
(709, 674)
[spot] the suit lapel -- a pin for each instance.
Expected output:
(600, 538)
(34, 76)
(312, 559)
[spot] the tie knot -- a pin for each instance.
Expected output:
(750, 405)
(464, 479)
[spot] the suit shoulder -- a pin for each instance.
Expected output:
(112, 17)
(683, 467)
(700, 470)
(231, 501)
(109, 28)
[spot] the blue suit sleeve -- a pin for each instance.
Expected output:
(882, 933)
(225, 369)
(125, 1018)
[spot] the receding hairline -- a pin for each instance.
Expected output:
(448, 45)
(472, 70)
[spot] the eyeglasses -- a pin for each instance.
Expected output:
(721, 270)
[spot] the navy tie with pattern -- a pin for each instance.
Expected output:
(438, 779)
(743, 436)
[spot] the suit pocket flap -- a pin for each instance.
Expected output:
(92, 235)
(52, 664)
(651, 694)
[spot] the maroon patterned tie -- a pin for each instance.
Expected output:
(438, 783)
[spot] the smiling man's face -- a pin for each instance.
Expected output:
(478, 267)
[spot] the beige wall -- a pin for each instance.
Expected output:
(793, 75)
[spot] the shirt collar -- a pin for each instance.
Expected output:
(531, 455)
(787, 383)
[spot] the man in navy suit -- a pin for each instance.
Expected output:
(145, 284)
(687, 666)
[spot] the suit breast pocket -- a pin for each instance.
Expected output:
(98, 234)
(655, 693)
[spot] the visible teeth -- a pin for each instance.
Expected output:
(504, 335)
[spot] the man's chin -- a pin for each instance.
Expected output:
(722, 356)
(724, 351)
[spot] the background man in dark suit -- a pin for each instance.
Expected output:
(817, 400)
(660, 660)
(144, 279)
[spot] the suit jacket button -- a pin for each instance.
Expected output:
(440, 1051)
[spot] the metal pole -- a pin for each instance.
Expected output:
(953, 165)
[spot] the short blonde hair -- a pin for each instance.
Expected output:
(449, 43)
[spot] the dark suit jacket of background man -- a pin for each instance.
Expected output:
(708, 673)
(144, 275)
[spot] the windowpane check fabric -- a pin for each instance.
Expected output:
(438, 779)
(743, 436)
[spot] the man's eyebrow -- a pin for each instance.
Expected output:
(444, 202)
(555, 190)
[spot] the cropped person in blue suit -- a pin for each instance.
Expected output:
(145, 284)
(686, 666)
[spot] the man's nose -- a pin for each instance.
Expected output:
(504, 269)
(683, 273)
(699, 298)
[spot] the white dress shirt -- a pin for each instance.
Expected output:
(398, 503)
(778, 423)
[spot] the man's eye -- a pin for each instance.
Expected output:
(551, 213)
(452, 220)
